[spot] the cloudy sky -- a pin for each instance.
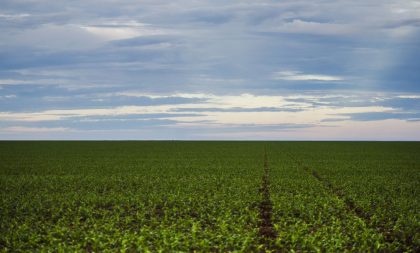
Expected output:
(185, 69)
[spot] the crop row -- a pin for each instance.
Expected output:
(380, 182)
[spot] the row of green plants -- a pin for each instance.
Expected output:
(308, 217)
(378, 181)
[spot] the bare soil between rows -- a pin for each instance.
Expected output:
(267, 232)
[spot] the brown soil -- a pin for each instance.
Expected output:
(266, 229)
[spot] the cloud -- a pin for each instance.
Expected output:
(317, 28)
(152, 104)
(148, 41)
(13, 81)
(52, 37)
(32, 82)
(120, 31)
(374, 116)
(299, 76)
(222, 109)
(51, 115)
(19, 16)
(237, 109)
(20, 129)
(399, 103)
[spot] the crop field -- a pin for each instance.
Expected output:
(174, 196)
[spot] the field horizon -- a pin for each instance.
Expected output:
(196, 140)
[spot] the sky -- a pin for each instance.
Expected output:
(210, 70)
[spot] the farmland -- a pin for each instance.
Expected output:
(210, 196)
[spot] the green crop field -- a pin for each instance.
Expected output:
(209, 196)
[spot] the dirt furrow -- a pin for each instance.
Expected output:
(267, 232)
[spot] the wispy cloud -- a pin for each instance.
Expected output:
(17, 16)
(50, 81)
(20, 129)
(317, 28)
(118, 30)
(375, 116)
(221, 109)
(299, 76)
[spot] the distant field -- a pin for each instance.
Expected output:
(209, 196)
